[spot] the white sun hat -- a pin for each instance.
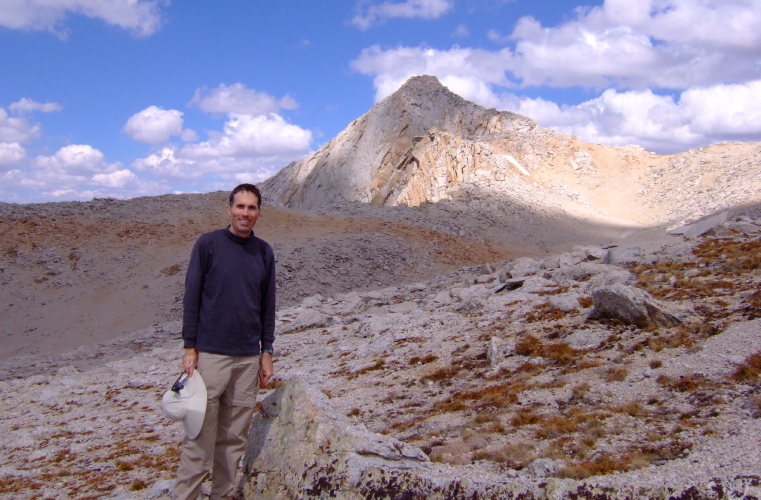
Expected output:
(188, 404)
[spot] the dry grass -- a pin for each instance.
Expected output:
(689, 336)
(633, 409)
(586, 302)
(685, 383)
(455, 453)
(615, 374)
(752, 309)
(750, 371)
(545, 312)
(515, 455)
(445, 373)
(718, 261)
(560, 352)
(525, 416)
(601, 465)
(556, 426)
(379, 364)
(730, 256)
(416, 360)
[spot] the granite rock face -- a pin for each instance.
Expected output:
(300, 447)
(633, 306)
(424, 145)
(391, 155)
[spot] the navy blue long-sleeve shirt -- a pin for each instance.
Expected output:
(229, 304)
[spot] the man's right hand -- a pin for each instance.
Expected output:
(190, 360)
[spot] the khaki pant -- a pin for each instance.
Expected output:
(231, 387)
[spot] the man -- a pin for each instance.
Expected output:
(228, 331)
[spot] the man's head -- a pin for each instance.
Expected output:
(245, 202)
(249, 188)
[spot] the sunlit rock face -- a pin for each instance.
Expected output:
(425, 144)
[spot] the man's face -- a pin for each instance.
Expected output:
(244, 212)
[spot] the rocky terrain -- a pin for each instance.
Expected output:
(469, 306)
(76, 274)
(631, 371)
(509, 374)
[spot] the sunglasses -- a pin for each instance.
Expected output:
(179, 384)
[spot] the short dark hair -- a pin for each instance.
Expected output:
(249, 188)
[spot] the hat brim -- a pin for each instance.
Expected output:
(196, 406)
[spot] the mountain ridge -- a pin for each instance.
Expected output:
(424, 144)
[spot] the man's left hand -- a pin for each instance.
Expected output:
(266, 369)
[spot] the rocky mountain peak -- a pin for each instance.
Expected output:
(377, 158)
(425, 144)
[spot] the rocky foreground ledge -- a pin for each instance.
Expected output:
(301, 448)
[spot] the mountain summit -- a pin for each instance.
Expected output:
(385, 157)
(425, 144)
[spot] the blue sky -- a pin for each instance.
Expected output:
(144, 97)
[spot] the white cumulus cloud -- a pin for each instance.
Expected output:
(238, 99)
(78, 160)
(247, 135)
(392, 67)
(657, 122)
(118, 179)
(26, 105)
(74, 172)
(17, 129)
(254, 143)
(369, 13)
(141, 17)
(665, 43)
(166, 164)
(249, 146)
(11, 155)
(154, 125)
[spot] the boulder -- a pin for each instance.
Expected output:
(472, 298)
(509, 284)
(565, 302)
(621, 256)
(586, 339)
(298, 319)
(590, 252)
(545, 467)
(569, 259)
(632, 305)
(702, 226)
(300, 447)
(525, 266)
(585, 271)
(537, 284)
(499, 349)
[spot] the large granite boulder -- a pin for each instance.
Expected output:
(299, 446)
(633, 306)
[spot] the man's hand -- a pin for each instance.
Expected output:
(190, 360)
(266, 369)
